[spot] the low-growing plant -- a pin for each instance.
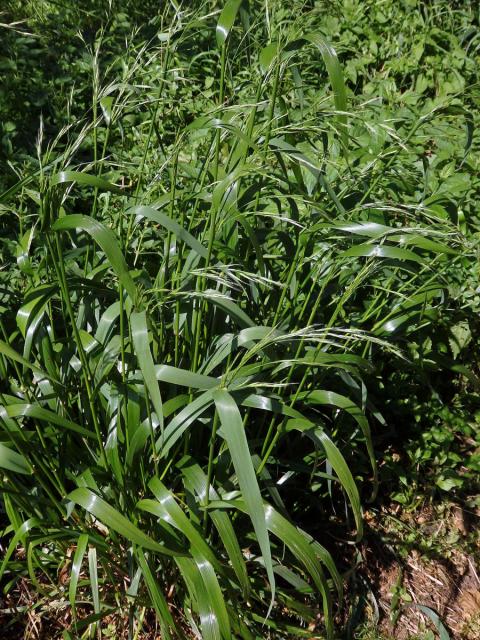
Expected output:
(211, 278)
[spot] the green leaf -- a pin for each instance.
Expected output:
(176, 517)
(196, 481)
(182, 421)
(345, 476)
(145, 361)
(8, 352)
(302, 547)
(141, 432)
(229, 343)
(299, 157)
(112, 519)
(421, 242)
(339, 401)
(267, 56)
(434, 617)
(337, 462)
(229, 307)
(85, 179)
(20, 535)
(93, 573)
(382, 251)
(157, 597)
(75, 572)
(461, 336)
(13, 461)
(184, 378)
(226, 20)
(107, 322)
(200, 596)
(160, 218)
(335, 75)
(234, 434)
(368, 229)
(447, 484)
(37, 301)
(21, 410)
(215, 597)
(106, 104)
(106, 240)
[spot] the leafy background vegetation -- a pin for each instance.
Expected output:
(239, 302)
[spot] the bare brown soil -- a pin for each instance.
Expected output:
(439, 569)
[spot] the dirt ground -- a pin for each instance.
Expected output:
(439, 569)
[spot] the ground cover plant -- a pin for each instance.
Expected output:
(239, 300)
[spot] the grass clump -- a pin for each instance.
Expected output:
(219, 265)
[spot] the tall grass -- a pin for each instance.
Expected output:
(190, 350)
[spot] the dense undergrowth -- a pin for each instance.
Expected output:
(239, 276)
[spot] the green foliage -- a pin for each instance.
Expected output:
(441, 454)
(231, 260)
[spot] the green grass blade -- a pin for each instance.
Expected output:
(184, 378)
(334, 70)
(345, 476)
(93, 574)
(145, 361)
(302, 548)
(178, 519)
(226, 20)
(21, 410)
(230, 308)
(338, 463)
(434, 617)
(182, 421)
(85, 179)
(305, 552)
(157, 597)
(196, 481)
(7, 351)
(339, 401)
(13, 461)
(112, 519)
(234, 433)
(267, 55)
(215, 596)
(382, 251)
(199, 595)
(106, 240)
(171, 225)
(19, 536)
(76, 568)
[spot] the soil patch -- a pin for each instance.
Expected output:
(430, 558)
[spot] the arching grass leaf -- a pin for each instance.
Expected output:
(234, 433)
(226, 20)
(114, 520)
(106, 240)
